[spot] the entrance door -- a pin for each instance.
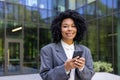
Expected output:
(13, 56)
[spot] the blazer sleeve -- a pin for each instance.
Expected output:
(47, 69)
(88, 71)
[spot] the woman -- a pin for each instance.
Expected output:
(57, 62)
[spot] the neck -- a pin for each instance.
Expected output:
(69, 42)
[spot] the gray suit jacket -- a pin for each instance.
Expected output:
(52, 63)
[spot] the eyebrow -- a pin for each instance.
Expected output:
(67, 24)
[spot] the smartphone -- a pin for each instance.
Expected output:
(77, 53)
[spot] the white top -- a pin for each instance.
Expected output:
(69, 50)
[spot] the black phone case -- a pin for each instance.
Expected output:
(77, 53)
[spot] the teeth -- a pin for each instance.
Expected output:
(70, 34)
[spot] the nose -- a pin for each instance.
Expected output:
(69, 28)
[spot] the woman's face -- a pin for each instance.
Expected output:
(68, 30)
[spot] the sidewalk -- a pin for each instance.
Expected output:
(105, 76)
(97, 76)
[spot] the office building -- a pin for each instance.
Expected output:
(25, 28)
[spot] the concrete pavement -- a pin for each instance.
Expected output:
(97, 76)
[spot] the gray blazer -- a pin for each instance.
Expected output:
(52, 63)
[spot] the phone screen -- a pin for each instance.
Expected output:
(77, 53)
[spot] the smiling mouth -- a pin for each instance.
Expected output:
(69, 34)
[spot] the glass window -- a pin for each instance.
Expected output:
(12, 1)
(28, 14)
(72, 4)
(116, 46)
(42, 4)
(51, 15)
(116, 5)
(45, 38)
(14, 29)
(81, 10)
(80, 3)
(90, 1)
(105, 37)
(91, 10)
(2, 48)
(16, 12)
(51, 4)
(42, 15)
(35, 14)
(31, 58)
(32, 3)
(92, 37)
(22, 2)
(61, 5)
(1, 10)
(9, 11)
(104, 7)
(109, 6)
(21, 13)
(101, 11)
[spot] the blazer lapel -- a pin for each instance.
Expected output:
(78, 48)
(60, 52)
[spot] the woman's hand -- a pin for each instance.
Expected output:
(79, 63)
(70, 63)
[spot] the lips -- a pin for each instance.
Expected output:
(69, 34)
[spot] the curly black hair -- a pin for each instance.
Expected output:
(79, 22)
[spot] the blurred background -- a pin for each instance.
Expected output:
(25, 28)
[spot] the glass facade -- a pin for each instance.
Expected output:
(25, 28)
(103, 22)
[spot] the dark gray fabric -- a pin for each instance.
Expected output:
(52, 63)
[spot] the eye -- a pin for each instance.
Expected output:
(65, 26)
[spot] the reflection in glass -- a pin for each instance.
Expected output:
(90, 1)
(31, 57)
(45, 38)
(116, 5)
(50, 4)
(81, 10)
(35, 14)
(80, 3)
(42, 4)
(51, 15)
(1, 10)
(101, 7)
(91, 11)
(104, 7)
(28, 13)
(42, 15)
(16, 12)
(93, 33)
(9, 11)
(61, 5)
(13, 30)
(116, 45)
(13, 58)
(21, 12)
(32, 3)
(72, 4)
(1, 48)
(106, 39)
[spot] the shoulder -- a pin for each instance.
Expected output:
(83, 47)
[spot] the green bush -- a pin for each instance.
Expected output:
(102, 66)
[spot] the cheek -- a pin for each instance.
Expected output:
(63, 30)
(75, 30)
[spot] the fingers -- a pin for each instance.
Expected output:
(74, 63)
(79, 63)
(69, 64)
